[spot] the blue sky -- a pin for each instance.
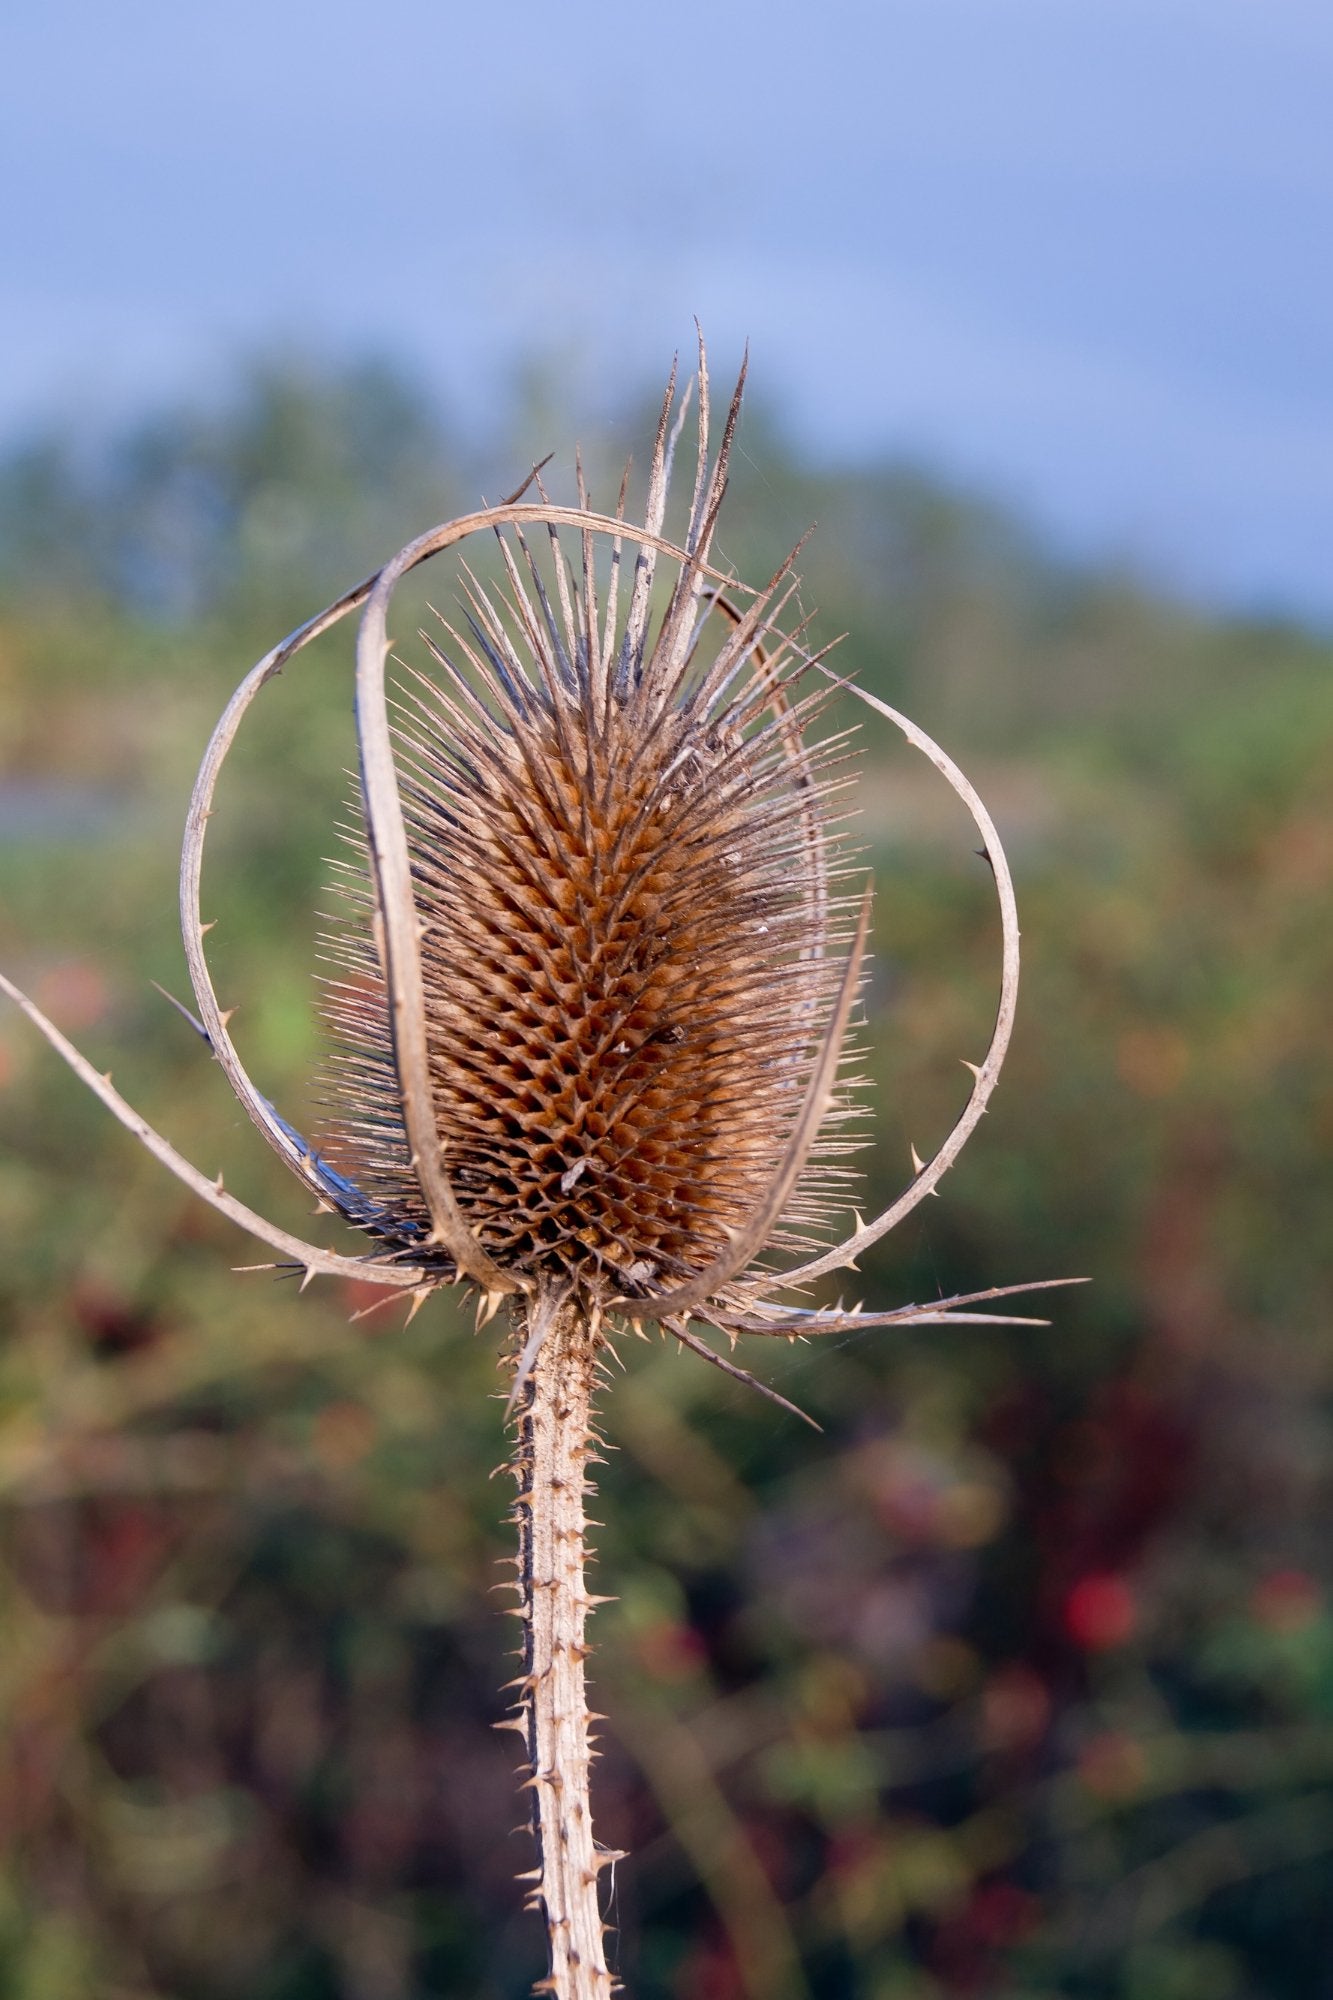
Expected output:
(1077, 251)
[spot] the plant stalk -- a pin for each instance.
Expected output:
(554, 1446)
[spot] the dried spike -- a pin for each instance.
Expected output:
(636, 624)
(488, 1305)
(376, 1305)
(291, 1246)
(612, 599)
(701, 1347)
(185, 1012)
(541, 1323)
(772, 1318)
(534, 476)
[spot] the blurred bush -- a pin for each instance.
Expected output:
(1019, 1680)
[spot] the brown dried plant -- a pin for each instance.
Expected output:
(589, 1012)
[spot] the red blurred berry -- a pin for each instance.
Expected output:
(1100, 1613)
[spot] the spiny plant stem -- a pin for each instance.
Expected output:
(555, 1444)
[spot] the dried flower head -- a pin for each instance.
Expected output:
(599, 967)
(600, 942)
(622, 878)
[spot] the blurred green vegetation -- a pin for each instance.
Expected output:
(1017, 1681)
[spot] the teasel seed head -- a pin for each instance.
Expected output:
(604, 937)
(625, 874)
